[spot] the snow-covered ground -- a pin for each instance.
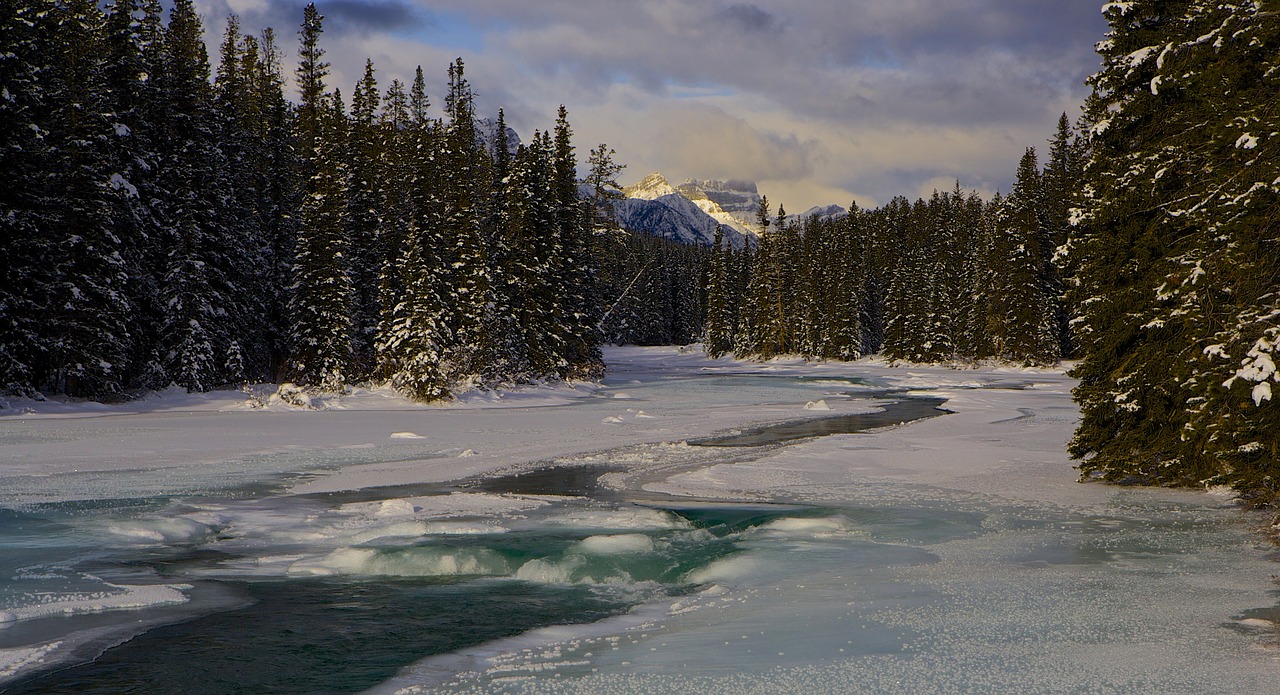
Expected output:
(952, 554)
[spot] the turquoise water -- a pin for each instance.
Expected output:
(350, 632)
(881, 587)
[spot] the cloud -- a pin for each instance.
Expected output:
(748, 19)
(816, 97)
(372, 15)
(705, 138)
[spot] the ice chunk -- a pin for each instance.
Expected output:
(617, 545)
(175, 530)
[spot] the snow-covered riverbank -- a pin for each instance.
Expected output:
(955, 553)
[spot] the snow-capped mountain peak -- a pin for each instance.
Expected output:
(651, 187)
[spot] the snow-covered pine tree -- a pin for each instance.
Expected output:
(1022, 300)
(1176, 249)
(719, 331)
(508, 356)
(1133, 350)
(906, 302)
(30, 53)
(244, 206)
(845, 276)
(320, 301)
(413, 345)
(407, 182)
(575, 269)
(133, 96)
(463, 160)
(765, 303)
(363, 215)
(937, 296)
(967, 310)
(87, 307)
(1062, 174)
(202, 218)
(1238, 420)
(542, 304)
(414, 334)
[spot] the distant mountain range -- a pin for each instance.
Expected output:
(691, 212)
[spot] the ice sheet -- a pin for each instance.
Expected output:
(948, 555)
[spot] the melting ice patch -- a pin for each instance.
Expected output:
(628, 543)
(170, 531)
(406, 562)
(115, 597)
(806, 527)
(12, 661)
(626, 518)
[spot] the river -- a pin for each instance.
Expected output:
(689, 526)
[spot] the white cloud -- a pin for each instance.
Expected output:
(815, 98)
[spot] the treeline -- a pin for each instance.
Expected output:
(159, 224)
(950, 279)
(654, 288)
(1177, 250)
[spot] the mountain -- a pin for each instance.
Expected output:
(691, 211)
(684, 214)
(739, 199)
(487, 130)
(822, 212)
(674, 217)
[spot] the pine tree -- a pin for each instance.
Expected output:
(602, 181)
(201, 214)
(1062, 174)
(574, 267)
(414, 346)
(719, 332)
(509, 360)
(1175, 287)
(363, 215)
(320, 302)
(462, 156)
(29, 29)
(312, 69)
(87, 307)
(280, 189)
(1023, 299)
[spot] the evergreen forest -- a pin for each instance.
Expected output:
(1147, 248)
(164, 223)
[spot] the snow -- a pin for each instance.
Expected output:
(115, 597)
(119, 183)
(13, 661)
(1139, 56)
(957, 553)
(1261, 392)
(651, 187)
(1248, 141)
(1122, 7)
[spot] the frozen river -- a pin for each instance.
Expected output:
(688, 526)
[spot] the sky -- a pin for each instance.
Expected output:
(818, 101)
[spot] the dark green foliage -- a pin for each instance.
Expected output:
(951, 279)
(86, 322)
(1175, 254)
(24, 202)
(321, 297)
(166, 227)
(652, 288)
